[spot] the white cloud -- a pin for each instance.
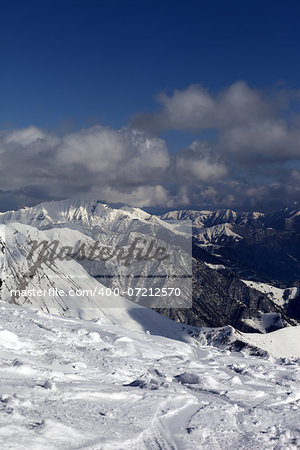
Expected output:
(24, 136)
(141, 196)
(128, 166)
(115, 155)
(195, 108)
(197, 163)
(250, 124)
(119, 165)
(271, 140)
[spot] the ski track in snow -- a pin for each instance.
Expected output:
(73, 384)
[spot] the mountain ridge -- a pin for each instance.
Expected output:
(220, 257)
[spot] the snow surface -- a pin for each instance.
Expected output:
(74, 384)
(215, 266)
(280, 343)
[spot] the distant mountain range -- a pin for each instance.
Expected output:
(263, 247)
(244, 267)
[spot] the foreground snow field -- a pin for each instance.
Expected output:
(75, 384)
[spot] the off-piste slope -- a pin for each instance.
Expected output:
(68, 383)
(65, 288)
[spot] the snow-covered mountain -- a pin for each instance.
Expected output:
(258, 247)
(286, 218)
(211, 218)
(92, 216)
(261, 249)
(65, 288)
(88, 224)
(104, 372)
(211, 290)
(216, 235)
(36, 283)
(50, 287)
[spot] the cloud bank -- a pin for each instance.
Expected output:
(252, 125)
(251, 162)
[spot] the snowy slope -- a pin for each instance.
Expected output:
(216, 234)
(282, 343)
(277, 295)
(23, 273)
(144, 274)
(69, 384)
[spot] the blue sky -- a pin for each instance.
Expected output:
(71, 64)
(105, 60)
